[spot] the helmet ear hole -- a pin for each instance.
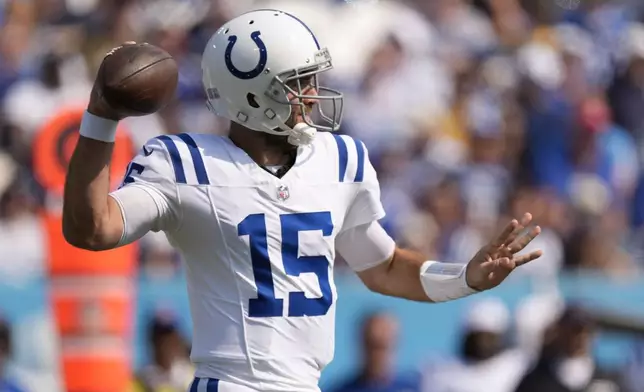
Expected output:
(252, 100)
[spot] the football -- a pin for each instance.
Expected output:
(137, 79)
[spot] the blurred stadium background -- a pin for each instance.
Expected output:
(473, 111)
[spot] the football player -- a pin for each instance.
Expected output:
(259, 215)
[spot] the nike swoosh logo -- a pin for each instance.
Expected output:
(147, 152)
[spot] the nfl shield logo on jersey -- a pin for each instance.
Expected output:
(282, 192)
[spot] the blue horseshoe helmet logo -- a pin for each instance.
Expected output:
(261, 64)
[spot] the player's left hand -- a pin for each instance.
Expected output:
(495, 261)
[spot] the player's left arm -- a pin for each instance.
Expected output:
(387, 269)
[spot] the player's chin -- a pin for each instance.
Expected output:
(297, 119)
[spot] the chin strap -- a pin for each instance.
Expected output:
(302, 134)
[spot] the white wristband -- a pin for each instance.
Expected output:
(98, 128)
(444, 281)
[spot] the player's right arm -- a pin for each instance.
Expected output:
(94, 218)
(91, 219)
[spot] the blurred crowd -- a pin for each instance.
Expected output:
(545, 345)
(473, 111)
(495, 354)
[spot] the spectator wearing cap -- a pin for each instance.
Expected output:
(485, 363)
(379, 334)
(566, 363)
(6, 385)
(485, 180)
(170, 370)
(549, 117)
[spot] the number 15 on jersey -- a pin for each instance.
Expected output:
(266, 304)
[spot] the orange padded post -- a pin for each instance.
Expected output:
(91, 293)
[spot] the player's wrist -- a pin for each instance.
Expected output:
(100, 108)
(445, 281)
(470, 277)
(98, 128)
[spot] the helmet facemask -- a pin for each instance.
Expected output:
(329, 102)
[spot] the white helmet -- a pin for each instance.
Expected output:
(258, 65)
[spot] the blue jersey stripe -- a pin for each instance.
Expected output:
(195, 385)
(175, 157)
(197, 159)
(343, 155)
(213, 385)
(360, 169)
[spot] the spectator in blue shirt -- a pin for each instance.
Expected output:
(377, 374)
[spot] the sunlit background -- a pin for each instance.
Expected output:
(473, 111)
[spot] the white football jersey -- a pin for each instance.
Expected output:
(259, 250)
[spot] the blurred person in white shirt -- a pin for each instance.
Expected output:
(62, 82)
(35, 353)
(22, 240)
(463, 31)
(7, 381)
(486, 364)
(170, 369)
(566, 363)
(394, 90)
